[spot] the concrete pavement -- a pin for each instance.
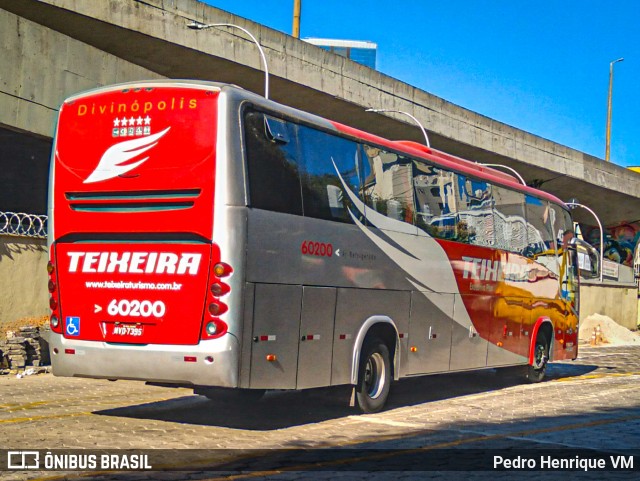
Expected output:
(592, 403)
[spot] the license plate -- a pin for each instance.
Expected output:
(127, 330)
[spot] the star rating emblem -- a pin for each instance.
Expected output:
(135, 126)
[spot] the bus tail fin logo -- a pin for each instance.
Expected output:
(111, 163)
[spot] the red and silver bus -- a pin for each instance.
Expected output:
(203, 236)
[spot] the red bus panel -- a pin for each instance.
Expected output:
(146, 153)
(142, 293)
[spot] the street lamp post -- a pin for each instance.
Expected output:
(608, 134)
(510, 169)
(572, 204)
(426, 138)
(424, 132)
(297, 9)
(201, 26)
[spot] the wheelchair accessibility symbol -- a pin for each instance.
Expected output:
(72, 326)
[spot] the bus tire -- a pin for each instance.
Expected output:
(536, 371)
(374, 376)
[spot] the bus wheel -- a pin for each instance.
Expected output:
(535, 371)
(374, 376)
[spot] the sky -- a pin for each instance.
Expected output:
(541, 66)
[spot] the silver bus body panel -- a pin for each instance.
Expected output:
(276, 327)
(430, 333)
(274, 254)
(274, 257)
(150, 362)
(315, 354)
(246, 341)
(469, 350)
(231, 175)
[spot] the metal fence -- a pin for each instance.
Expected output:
(23, 225)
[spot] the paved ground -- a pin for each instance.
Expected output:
(590, 404)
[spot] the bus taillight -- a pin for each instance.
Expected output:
(213, 328)
(212, 325)
(222, 269)
(219, 289)
(54, 320)
(217, 308)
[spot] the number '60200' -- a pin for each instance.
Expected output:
(136, 308)
(320, 249)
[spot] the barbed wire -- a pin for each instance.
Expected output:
(23, 225)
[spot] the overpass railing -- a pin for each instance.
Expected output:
(23, 225)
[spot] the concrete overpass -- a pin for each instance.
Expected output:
(54, 48)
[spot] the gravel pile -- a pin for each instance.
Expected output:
(611, 333)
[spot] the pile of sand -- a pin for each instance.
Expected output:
(612, 333)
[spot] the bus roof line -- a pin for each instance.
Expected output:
(199, 84)
(435, 156)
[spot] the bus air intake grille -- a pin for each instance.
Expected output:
(142, 201)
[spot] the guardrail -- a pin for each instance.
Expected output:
(23, 225)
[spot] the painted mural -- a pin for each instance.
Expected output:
(619, 242)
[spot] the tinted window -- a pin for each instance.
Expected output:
(274, 173)
(435, 200)
(509, 220)
(563, 227)
(325, 156)
(388, 187)
(474, 203)
(540, 237)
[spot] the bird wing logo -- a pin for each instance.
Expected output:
(112, 163)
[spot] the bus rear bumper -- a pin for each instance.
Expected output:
(209, 363)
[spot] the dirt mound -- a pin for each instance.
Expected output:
(611, 333)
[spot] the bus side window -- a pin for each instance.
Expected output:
(272, 160)
(323, 193)
(563, 226)
(540, 238)
(474, 221)
(433, 188)
(509, 220)
(388, 188)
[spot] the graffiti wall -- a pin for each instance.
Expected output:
(619, 242)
